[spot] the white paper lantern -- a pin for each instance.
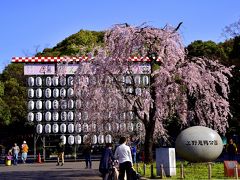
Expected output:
(70, 92)
(38, 116)
(123, 116)
(63, 138)
(39, 128)
(101, 139)
(48, 81)
(48, 116)
(122, 79)
(39, 93)
(115, 127)
(93, 127)
(62, 92)
(30, 117)
(70, 116)
(30, 81)
(139, 126)
(55, 81)
(48, 93)
(56, 93)
(78, 116)
(145, 80)
(48, 128)
(30, 105)
(138, 91)
(85, 127)
(70, 104)
(55, 104)
(63, 128)
(108, 138)
(78, 93)
(38, 81)
(30, 93)
(130, 115)
(86, 79)
(39, 104)
(70, 128)
(55, 128)
(78, 139)
(78, 128)
(55, 116)
(128, 80)
(85, 138)
(130, 90)
(48, 104)
(93, 80)
(130, 127)
(108, 127)
(62, 81)
(71, 139)
(94, 139)
(85, 116)
(63, 104)
(78, 104)
(137, 79)
(63, 116)
(100, 128)
(70, 81)
(123, 127)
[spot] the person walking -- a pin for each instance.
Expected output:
(87, 151)
(24, 151)
(106, 161)
(124, 157)
(60, 151)
(231, 150)
(15, 151)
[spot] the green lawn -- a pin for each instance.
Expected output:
(191, 171)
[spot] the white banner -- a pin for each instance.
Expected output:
(68, 69)
(39, 69)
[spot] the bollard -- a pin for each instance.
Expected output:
(161, 171)
(236, 171)
(181, 171)
(151, 171)
(209, 170)
(144, 169)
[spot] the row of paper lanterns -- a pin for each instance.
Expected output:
(70, 115)
(79, 139)
(64, 116)
(63, 92)
(71, 128)
(50, 81)
(55, 104)
(48, 93)
(55, 81)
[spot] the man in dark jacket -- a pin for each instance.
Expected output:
(106, 161)
(60, 151)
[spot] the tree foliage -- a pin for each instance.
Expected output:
(14, 98)
(78, 44)
(5, 115)
(207, 49)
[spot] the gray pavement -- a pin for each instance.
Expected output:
(41, 171)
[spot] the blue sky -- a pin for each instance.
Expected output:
(28, 25)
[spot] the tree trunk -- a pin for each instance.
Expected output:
(148, 145)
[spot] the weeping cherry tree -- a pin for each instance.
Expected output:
(194, 90)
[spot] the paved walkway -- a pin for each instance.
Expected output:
(70, 171)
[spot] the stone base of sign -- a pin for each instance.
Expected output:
(166, 157)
